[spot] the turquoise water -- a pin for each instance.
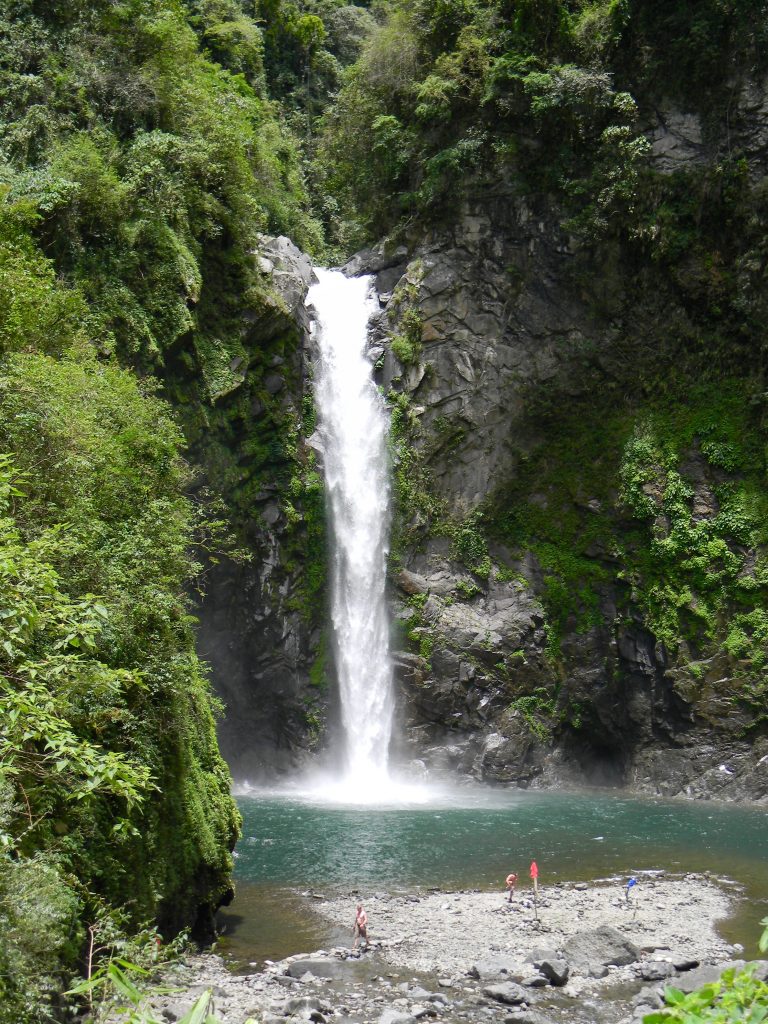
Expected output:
(291, 845)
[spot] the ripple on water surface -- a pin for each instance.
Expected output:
(471, 838)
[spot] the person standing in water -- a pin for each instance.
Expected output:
(360, 931)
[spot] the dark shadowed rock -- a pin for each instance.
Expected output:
(685, 964)
(555, 970)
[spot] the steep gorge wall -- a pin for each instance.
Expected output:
(578, 573)
(525, 369)
(261, 616)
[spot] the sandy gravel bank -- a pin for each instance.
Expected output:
(592, 957)
(439, 932)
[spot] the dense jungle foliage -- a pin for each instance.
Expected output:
(543, 93)
(139, 160)
(144, 147)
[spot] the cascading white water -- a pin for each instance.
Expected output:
(353, 426)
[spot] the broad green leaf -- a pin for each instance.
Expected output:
(198, 1014)
(673, 996)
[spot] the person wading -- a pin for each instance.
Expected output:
(360, 931)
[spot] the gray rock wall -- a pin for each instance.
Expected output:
(510, 305)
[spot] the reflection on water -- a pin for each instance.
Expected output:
(470, 839)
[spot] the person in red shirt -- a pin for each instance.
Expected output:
(360, 931)
(510, 883)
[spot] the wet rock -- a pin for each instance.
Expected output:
(319, 968)
(291, 273)
(507, 992)
(603, 946)
(374, 260)
(534, 981)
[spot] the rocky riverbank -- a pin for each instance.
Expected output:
(583, 953)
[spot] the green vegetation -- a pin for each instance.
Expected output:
(116, 802)
(528, 95)
(663, 502)
(145, 146)
(737, 996)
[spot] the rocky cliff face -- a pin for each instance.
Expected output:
(261, 618)
(495, 328)
(578, 591)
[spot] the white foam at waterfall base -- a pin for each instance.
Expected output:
(353, 427)
(319, 788)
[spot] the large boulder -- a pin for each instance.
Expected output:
(554, 969)
(507, 992)
(600, 947)
(705, 975)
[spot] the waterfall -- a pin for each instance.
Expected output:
(353, 425)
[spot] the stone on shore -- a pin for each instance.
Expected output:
(393, 1016)
(507, 992)
(705, 975)
(554, 969)
(656, 970)
(602, 947)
